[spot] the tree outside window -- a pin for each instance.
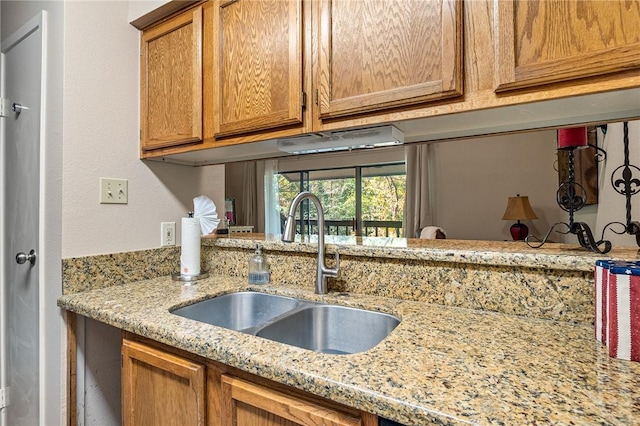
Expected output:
(363, 200)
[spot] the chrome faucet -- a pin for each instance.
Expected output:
(322, 272)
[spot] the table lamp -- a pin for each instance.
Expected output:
(518, 208)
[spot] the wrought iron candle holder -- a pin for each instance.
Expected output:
(571, 197)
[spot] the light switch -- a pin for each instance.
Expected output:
(113, 191)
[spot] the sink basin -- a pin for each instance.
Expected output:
(239, 311)
(331, 329)
(319, 327)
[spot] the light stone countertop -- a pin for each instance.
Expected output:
(441, 364)
(499, 253)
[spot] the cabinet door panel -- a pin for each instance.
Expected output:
(159, 388)
(171, 82)
(247, 404)
(378, 54)
(257, 65)
(541, 42)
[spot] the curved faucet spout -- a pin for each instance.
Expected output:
(322, 272)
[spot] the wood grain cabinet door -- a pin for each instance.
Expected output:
(550, 41)
(380, 54)
(159, 388)
(257, 65)
(171, 82)
(249, 404)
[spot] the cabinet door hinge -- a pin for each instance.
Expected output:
(303, 100)
(4, 397)
(317, 97)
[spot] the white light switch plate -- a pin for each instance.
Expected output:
(113, 191)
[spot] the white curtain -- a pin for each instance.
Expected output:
(418, 210)
(272, 222)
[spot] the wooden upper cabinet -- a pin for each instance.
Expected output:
(257, 65)
(171, 82)
(380, 54)
(541, 42)
(160, 388)
(245, 403)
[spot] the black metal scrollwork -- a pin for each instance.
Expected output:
(571, 197)
(625, 184)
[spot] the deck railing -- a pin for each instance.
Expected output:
(371, 228)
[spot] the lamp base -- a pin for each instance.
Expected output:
(519, 231)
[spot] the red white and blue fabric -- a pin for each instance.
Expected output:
(623, 311)
(600, 289)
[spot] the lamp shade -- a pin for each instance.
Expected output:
(518, 208)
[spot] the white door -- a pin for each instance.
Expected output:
(22, 60)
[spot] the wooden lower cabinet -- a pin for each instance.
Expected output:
(162, 385)
(159, 388)
(246, 403)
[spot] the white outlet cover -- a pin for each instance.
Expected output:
(113, 191)
(168, 234)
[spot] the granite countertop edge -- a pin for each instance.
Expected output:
(443, 364)
(495, 253)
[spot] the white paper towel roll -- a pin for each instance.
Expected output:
(190, 249)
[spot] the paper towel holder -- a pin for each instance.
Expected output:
(205, 212)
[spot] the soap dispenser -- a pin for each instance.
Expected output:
(259, 272)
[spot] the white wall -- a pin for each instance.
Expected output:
(101, 128)
(101, 131)
(138, 8)
(473, 179)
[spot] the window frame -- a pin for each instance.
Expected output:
(304, 185)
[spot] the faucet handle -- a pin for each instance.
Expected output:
(333, 272)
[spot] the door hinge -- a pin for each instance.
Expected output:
(303, 100)
(316, 95)
(4, 397)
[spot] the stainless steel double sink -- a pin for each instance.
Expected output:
(320, 327)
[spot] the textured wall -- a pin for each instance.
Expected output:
(101, 131)
(100, 139)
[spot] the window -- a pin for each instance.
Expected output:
(362, 200)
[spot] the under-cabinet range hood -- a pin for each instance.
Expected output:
(371, 137)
